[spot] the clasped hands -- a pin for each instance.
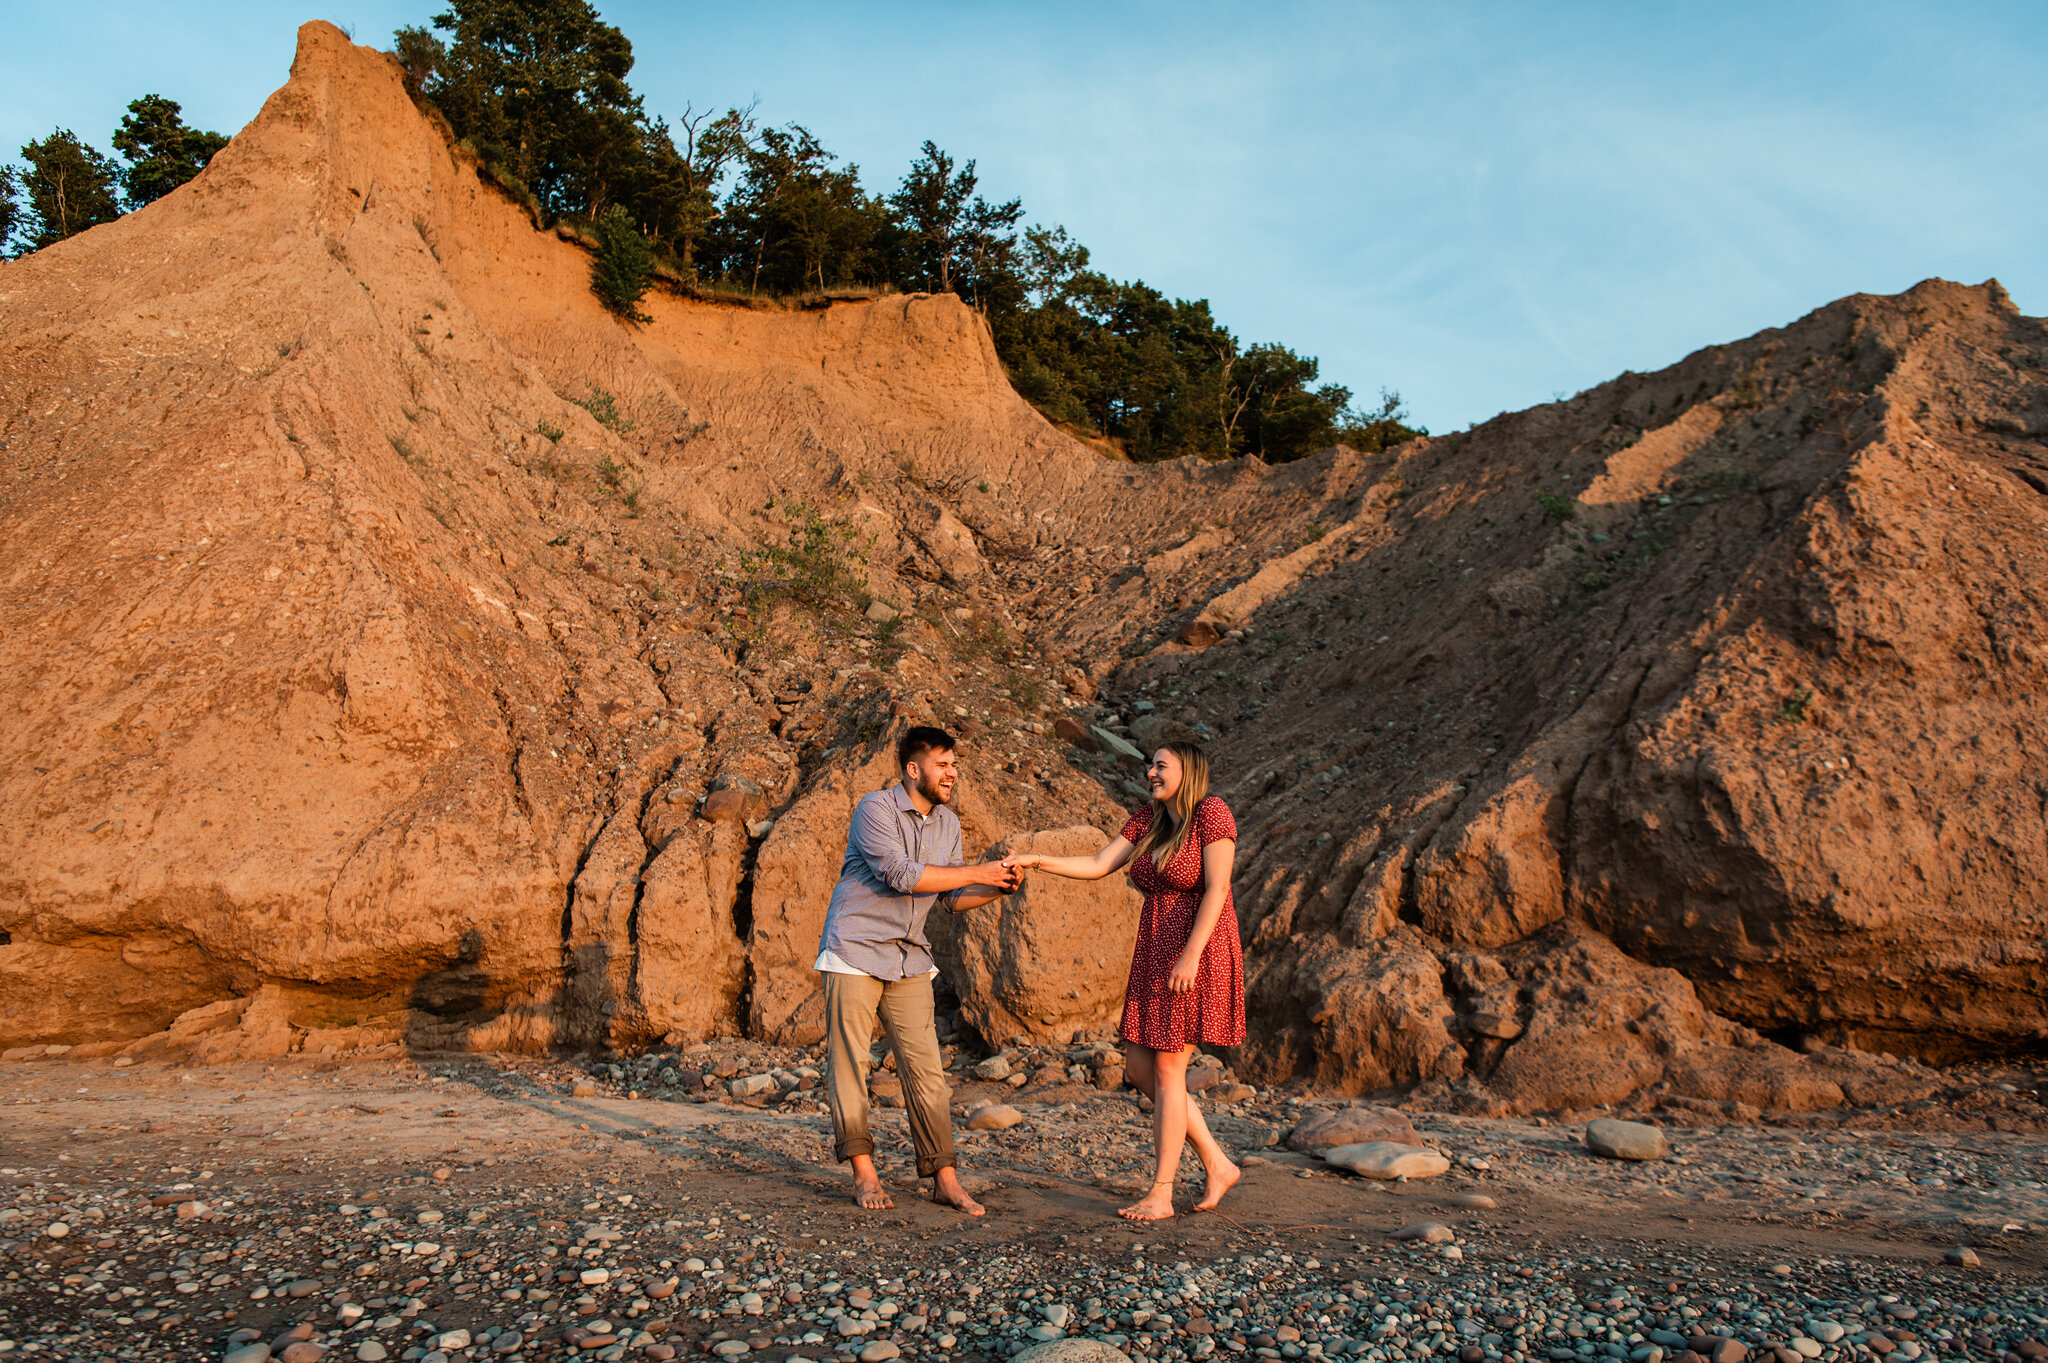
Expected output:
(1008, 874)
(1005, 875)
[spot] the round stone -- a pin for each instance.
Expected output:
(994, 1117)
(1072, 1351)
(881, 1351)
(370, 1351)
(56, 1230)
(1625, 1140)
(1387, 1161)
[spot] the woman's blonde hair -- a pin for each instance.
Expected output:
(1173, 820)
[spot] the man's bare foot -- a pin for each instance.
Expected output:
(1219, 1184)
(868, 1192)
(947, 1192)
(1156, 1205)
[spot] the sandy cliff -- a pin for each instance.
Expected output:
(363, 685)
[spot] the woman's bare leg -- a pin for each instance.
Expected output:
(1169, 1134)
(1221, 1173)
(1141, 1068)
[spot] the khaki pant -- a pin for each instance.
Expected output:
(853, 1003)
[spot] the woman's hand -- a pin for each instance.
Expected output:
(1024, 861)
(1182, 980)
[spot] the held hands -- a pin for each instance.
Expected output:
(1005, 875)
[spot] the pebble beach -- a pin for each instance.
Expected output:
(463, 1208)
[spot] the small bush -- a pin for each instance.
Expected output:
(1793, 709)
(553, 433)
(1556, 506)
(815, 567)
(620, 482)
(624, 266)
(604, 409)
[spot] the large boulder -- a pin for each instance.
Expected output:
(1357, 1019)
(1051, 959)
(1350, 1126)
(794, 874)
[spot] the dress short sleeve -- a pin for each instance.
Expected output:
(1135, 826)
(1213, 822)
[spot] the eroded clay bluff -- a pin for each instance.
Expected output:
(1598, 749)
(363, 688)
(361, 685)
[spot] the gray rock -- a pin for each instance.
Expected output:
(1072, 1351)
(1625, 1140)
(1350, 1126)
(1116, 745)
(749, 1085)
(370, 1351)
(248, 1353)
(1429, 1232)
(1963, 1256)
(1387, 1160)
(995, 1069)
(994, 1117)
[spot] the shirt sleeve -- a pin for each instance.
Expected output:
(1135, 826)
(953, 855)
(879, 840)
(1213, 822)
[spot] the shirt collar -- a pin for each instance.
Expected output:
(904, 802)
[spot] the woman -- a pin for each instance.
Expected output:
(1187, 974)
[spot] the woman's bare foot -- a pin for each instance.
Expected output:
(1219, 1184)
(947, 1192)
(1156, 1205)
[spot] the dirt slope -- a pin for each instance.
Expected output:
(331, 674)
(1739, 663)
(363, 685)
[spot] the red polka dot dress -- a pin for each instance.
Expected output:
(1212, 1014)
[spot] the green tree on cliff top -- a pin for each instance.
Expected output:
(70, 187)
(162, 153)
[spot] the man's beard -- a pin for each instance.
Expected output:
(927, 786)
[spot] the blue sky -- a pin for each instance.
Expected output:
(1481, 205)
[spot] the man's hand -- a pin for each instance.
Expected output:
(1004, 875)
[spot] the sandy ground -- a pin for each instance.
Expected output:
(290, 1165)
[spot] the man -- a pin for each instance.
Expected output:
(902, 857)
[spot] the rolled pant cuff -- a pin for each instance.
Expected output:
(929, 1168)
(846, 1150)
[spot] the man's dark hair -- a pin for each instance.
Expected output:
(921, 740)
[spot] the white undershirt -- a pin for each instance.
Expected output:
(829, 964)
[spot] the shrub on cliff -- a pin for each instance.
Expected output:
(624, 266)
